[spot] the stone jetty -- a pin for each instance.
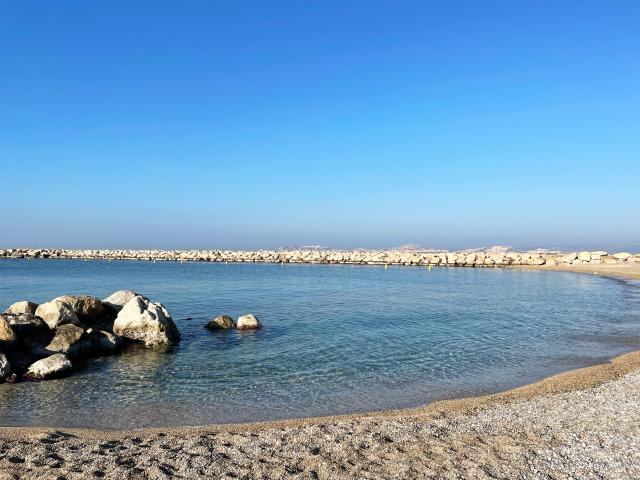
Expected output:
(492, 257)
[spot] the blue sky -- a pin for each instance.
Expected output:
(244, 124)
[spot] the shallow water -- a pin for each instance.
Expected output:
(336, 339)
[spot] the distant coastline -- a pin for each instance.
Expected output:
(494, 257)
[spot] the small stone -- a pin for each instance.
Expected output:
(222, 322)
(248, 322)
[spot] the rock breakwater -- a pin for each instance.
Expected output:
(40, 342)
(466, 258)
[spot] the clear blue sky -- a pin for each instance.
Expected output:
(347, 124)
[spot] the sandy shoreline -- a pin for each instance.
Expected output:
(434, 441)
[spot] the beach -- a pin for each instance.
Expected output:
(579, 424)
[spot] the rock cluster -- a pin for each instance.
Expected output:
(225, 322)
(495, 257)
(40, 342)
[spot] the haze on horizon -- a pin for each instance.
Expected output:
(346, 124)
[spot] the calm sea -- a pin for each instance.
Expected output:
(336, 339)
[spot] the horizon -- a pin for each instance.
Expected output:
(351, 125)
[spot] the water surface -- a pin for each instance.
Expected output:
(336, 339)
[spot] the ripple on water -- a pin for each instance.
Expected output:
(337, 339)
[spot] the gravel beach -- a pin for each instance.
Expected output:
(591, 432)
(579, 424)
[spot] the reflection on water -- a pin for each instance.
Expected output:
(336, 339)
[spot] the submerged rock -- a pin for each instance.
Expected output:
(222, 322)
(22, 307)
(51, 367)
(56, 312)
(145, 321)
(85, 307)
(118, 299)
(248, 322)
(25, 324)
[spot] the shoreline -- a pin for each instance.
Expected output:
(569, 394)
(575, 379)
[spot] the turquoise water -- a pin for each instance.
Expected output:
(336, 339)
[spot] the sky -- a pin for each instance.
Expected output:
(259, 124)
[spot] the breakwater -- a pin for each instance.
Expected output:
(466, 258)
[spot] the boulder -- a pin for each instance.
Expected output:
(25, 324)
(19, 360)
(104, 341)
(69, 339)
(584, 256)
(85, 307)
(145, 321)
(220, 323)
(5, 367)
(118, 299)
(622, 256)
(8, 337)
(56, 312)
(22, 307)
(248, 322)
(51, 367)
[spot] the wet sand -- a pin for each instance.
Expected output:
(580, 424)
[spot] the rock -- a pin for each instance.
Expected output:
(8, 337)
(621, 256)
(5, 367)
(220, 323)
(145, 321)
(85, 307)
(25, 324)
(103, 341)
(248, 322)
(19, 361)
(51, 367)
(57, 312)
(569, 258)
(69, 339)
(118, 299)
(584, 256)
(22, 307)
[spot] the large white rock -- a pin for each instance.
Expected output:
(54, 366)
(22, 307)
(119, 299)
(146, 321)
(57, 312)
(248, 322)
